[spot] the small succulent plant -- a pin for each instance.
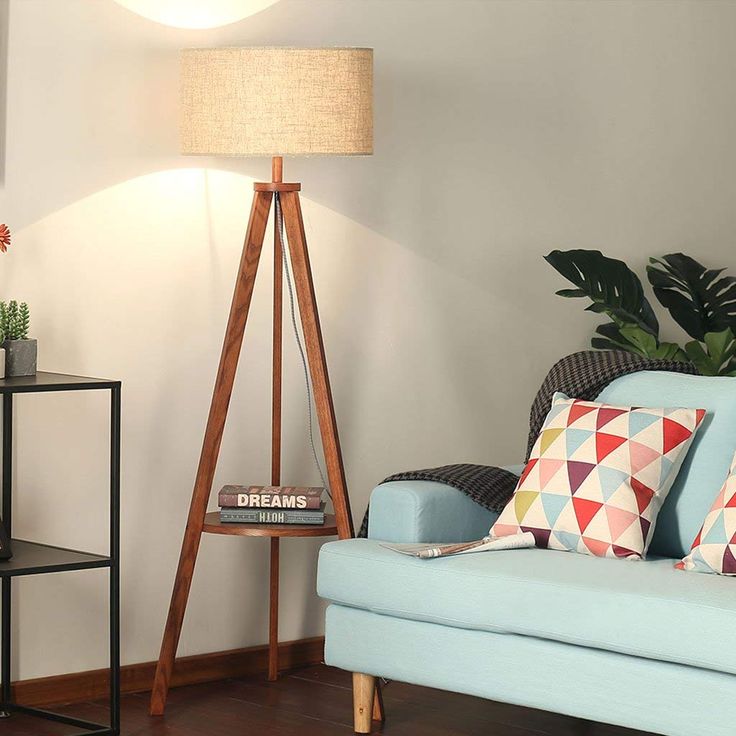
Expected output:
(15, 319)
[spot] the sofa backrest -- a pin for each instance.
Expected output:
(708, 460)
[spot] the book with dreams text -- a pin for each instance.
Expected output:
(270, 497)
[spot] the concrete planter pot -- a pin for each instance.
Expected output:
(2, 362)
(20, 357)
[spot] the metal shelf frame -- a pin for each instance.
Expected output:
(33, 558)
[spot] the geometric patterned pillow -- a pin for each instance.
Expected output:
(598, 476)
(714, 549)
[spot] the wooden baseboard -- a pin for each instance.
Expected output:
(94, 684)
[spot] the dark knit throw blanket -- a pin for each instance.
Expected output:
(581, 375)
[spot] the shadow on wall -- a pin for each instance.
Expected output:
(4, 17)
(400, 321)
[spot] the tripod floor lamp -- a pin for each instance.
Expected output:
(268, 102)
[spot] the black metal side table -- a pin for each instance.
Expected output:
(32, 558)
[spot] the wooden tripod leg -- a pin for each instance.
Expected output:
(304, 285)
(276, 370)
(296, 238)
(273, 613)
(211, 446)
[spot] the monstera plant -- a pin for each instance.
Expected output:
(702, 301)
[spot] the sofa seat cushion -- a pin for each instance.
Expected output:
(647, 609)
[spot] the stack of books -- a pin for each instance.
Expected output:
(271, 505)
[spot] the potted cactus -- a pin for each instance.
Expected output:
(20, 351)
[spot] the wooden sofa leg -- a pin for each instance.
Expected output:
(364, 688)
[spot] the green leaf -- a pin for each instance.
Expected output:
(600, 343)
(649, 346)
(633, 339)
(721, 344)
(700, 300)
(613, 340)
(613, 288)
(570, 293)
(699, 358)
(671, 351)
(715, 358)
(642, 340)
(611, 331)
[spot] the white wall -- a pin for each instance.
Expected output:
(503, 129)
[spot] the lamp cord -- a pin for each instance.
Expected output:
(297, 339)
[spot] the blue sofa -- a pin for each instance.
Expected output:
(638, 644)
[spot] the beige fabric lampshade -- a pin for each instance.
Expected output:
(277, 101)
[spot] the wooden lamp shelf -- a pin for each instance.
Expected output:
(213, 525)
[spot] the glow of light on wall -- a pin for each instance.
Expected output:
(196, 13)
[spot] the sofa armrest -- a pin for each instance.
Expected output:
(425, 511)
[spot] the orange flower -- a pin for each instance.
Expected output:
(4, 238)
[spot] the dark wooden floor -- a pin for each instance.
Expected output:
(316, 702)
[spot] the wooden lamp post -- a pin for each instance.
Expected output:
(268, 102)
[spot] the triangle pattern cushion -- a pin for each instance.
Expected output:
(547, 470)
(575, 438)
(611, 480)
(606, 443)
(553, 505)
(598, 476)
(708, 458)
(713, 549)
(639, 421)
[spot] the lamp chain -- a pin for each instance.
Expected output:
(298, 340)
